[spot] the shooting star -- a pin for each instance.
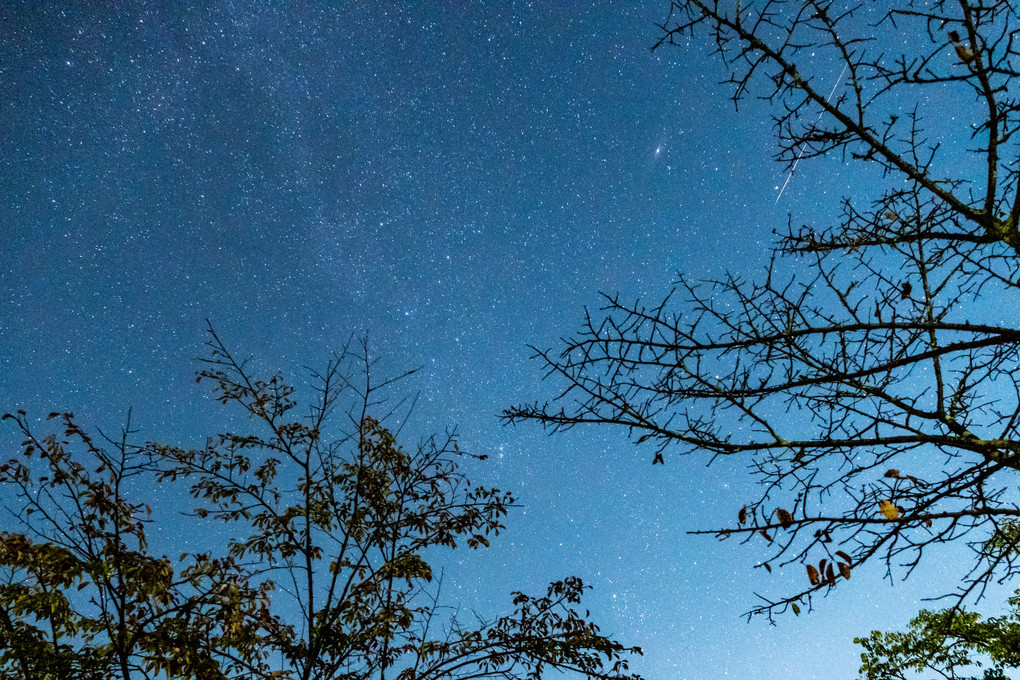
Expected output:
(801, 152)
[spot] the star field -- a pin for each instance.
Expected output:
(456, 181)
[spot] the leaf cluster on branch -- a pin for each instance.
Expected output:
(870, 376)
(949, 642)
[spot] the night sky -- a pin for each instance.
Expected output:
(455, 180)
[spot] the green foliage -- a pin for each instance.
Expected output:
(81, 596)
(324, 571)
(952, 643)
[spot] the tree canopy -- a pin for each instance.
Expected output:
(953, 644)
(330, 525)
(869, 377)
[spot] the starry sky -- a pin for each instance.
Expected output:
(455, 180)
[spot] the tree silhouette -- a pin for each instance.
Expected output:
(950, 642)
(325, 573)
(869, 375)
(81, 593)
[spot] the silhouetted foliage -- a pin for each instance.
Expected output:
(324, 575)
(952, 643)
(82, 596)
(869, 377)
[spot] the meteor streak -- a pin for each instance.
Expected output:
(801, 152)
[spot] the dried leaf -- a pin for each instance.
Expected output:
(844, 570)
(840, 553)
(892, 473)
(830, 575)
(767, 567)
(796, 609)
(888, 509)
(927, 521)
(742, 515)
(765, 534)
(784, 517)
(964, 53)
(812, 575)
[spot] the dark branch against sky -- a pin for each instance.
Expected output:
(456, 181)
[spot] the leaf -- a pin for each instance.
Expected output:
(796, 609)
(767, 567)
(784, 517)
(844, 570)
(742, 515)
(964, 53)
(892, 473)
(927, 521)
(765, 534)
(812, 575)
(830, 575)
(840, 553)
(888, 509)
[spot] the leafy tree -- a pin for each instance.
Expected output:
(951, 643)
(325, 573)
(869, 377)
(81, 595)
